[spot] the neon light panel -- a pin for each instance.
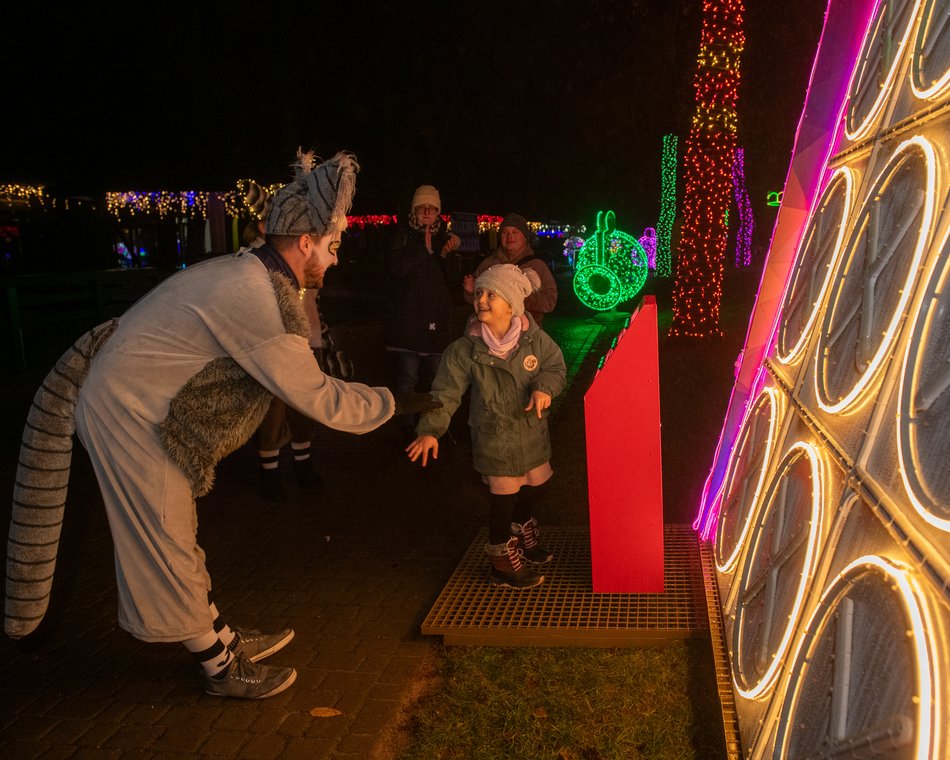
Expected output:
(877, 66)
(829, 711)
(887, 241)
(931, 57)
(776, 575)
(817, 257)
(923, 436)
(745, 477)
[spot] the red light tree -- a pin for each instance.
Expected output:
(708, 160)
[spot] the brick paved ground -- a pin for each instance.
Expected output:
(353, 569)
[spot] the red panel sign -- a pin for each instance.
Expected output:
(624, 472)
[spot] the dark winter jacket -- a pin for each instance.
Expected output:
(506, 440)
(419, 302)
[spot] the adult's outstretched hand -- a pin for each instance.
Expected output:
(410, 402)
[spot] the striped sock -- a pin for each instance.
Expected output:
(225, 634)
(213, 656)
(268, 459)
(301, 450)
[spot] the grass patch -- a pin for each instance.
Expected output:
(569, 704)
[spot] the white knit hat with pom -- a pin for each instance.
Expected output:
(511, 283)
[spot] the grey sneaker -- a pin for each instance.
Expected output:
(245, 680)
(256, 645)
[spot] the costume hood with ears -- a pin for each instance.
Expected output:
(318, 198)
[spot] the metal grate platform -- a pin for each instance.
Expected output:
(727, 698)
(564, 610)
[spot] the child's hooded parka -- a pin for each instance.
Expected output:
(506, 440)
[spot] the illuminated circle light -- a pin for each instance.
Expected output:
(828, 670)
(745, 476)
(775, 579)
(923, 425)
(598, 287)
(870, 87)
(817, 256)
(931, 57)
(846, 320)
(611, 266)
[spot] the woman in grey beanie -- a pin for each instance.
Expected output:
(514, 370)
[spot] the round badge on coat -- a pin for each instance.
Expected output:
(530, 363)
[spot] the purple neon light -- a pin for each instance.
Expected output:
(746, 223)
(648, 242)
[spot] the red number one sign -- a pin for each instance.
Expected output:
(624, 473)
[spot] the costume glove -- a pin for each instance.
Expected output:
(409, 402)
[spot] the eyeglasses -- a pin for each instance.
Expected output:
(427, 210)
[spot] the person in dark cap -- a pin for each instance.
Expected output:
(159, 396)
(417, 327)
(515, 248)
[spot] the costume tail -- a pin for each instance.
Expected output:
(42, 478)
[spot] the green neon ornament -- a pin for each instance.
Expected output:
(611, 266)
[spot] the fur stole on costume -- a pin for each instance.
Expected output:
(217, 411)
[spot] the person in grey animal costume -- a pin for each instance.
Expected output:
(158, 397)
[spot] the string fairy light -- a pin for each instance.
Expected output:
(708, 162)
(664, 225)
(746, 222)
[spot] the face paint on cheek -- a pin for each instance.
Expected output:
(328, 257)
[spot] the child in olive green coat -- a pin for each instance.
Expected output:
(514, 370)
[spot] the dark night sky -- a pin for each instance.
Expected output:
(554, 109)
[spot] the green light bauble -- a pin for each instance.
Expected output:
(597, 287)
(611, 266)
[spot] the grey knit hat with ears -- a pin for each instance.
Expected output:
(511, 283)
(318, 199)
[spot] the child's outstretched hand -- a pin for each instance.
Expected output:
(421, 447)
(539, 401)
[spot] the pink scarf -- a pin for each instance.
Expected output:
(503, 347)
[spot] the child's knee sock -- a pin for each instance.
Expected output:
(499, 517)
(529, 497)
